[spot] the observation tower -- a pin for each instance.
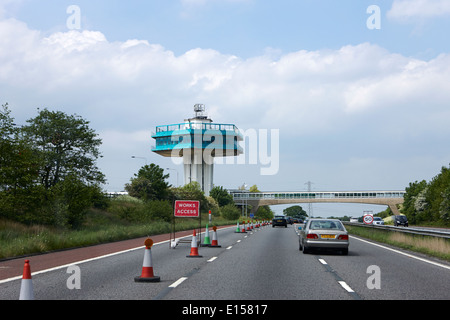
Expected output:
(198, 141)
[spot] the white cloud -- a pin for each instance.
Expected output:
(418, 9)
(127, 88)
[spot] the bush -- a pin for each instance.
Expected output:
(230, 212)
(160, 210)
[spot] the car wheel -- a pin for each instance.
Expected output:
(300, 246)
(305, 250)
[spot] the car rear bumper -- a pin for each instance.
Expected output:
(326, 244)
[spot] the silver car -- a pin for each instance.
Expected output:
(323, 234)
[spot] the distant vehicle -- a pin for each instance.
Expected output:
(353, 219)
(279, 221)
(400, 221)
(377, 221)
(327, 234)
(289, 220)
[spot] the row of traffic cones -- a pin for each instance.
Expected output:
(147, 275)
(249, 226)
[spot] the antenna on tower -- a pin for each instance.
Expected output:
(199, 110)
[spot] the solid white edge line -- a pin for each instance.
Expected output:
(178, 282)
(404, 253)
(345, 286)
(89, 260)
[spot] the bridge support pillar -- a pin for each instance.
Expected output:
(394, 209)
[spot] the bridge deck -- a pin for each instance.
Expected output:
(256, 199)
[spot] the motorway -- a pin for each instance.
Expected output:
(264, 264)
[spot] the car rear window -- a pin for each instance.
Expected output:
(330, 225)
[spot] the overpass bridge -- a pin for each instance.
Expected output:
(256, 199)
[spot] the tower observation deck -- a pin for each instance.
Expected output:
(198, 141)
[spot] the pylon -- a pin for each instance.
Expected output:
(243, 228)
(194, 247)
(207, 240)
(248, 226)
(26, 289)
(215, 243)
(147, 267)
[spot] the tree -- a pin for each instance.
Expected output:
(48, 173)
(295, 211)
(444, 209)
(149, 184)
(410, 199)
(221, 196)
(264, 212)
(66, 146)
(192, 191)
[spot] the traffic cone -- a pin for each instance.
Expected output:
(215, 243)
(147, 267)
(26, 289)
(194, 247)
(207, 240)
(248, 226)
(238, 230)
(243, 228)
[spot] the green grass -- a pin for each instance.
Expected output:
(432, 246)
(101, 227)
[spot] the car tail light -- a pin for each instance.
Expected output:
(312, 236)
(343, 237)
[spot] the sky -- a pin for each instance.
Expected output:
(350, 95)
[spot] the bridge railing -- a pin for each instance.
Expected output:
(239, 195)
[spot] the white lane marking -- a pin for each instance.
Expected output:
(405, 254)
(178, 282)
(212, 259)
(92, 259)
(238, 241)
(229, 247)
(345, 286)
(322, 261)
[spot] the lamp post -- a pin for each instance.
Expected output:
(145, 159)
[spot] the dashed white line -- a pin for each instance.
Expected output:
(212, 259)
(322, 261)
(345, 286)
(178, 282)
(229, 247)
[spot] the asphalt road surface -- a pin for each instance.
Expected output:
(261, 265)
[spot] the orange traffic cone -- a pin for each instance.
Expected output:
(214, 242)
(147, 267)
(26, 289)
(194, 247)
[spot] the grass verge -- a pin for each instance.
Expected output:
(432, 246)
(19, 240)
